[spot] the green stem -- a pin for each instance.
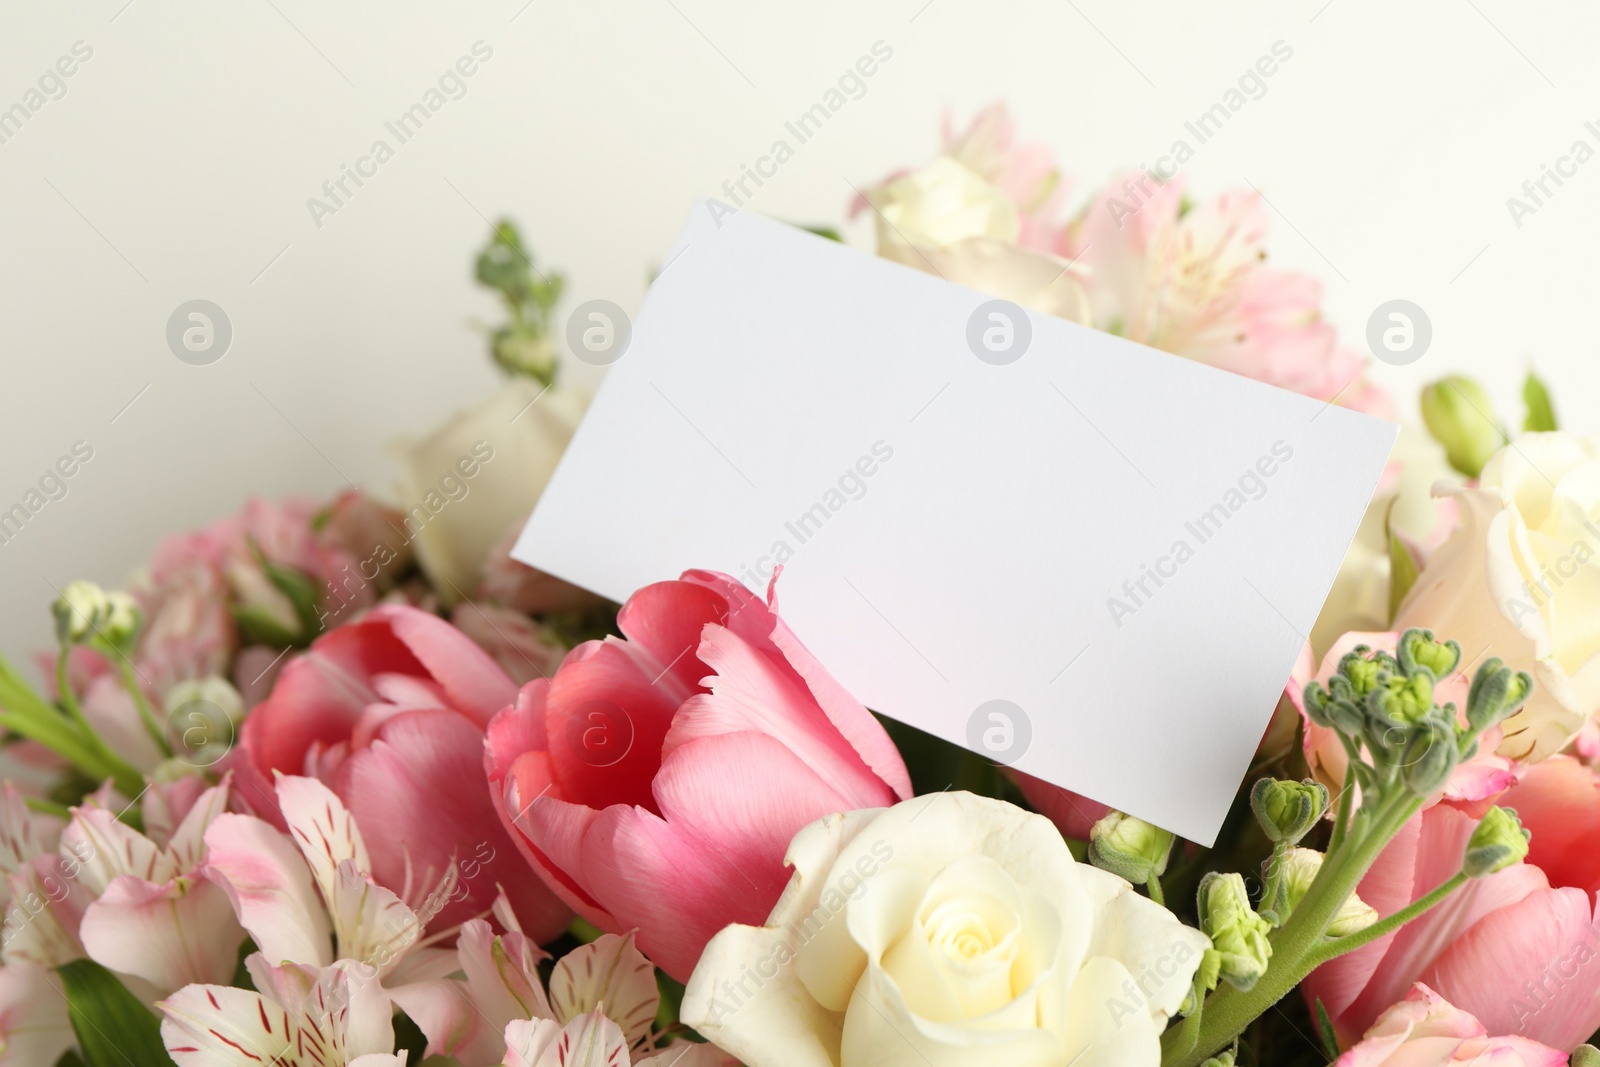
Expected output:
(1341, 822)
(108, 764)
(1297, 944)
(146, 715)
(48, 807)
(1153, 887)
(1350, 943)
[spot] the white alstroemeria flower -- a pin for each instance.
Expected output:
(154, 916)
(947, 219)
(291, 896)
(949, 929)
(302, 1017)
(467, 1020)
(592, 1040)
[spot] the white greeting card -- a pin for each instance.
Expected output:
(1079, 556)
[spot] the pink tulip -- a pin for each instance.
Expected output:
(1425, 1030)
(389, 713)
(1516, 949)
(656, 782)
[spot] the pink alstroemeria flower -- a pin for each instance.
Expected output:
(389, 712)
(656, 782)
(155, 916)
(34, 1027)
(291, 891)
(1425, 1030)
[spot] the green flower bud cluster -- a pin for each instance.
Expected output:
(1498, 842)
(524, 345)
(1129, 848)
(1239, 947)
(1288, 810)
(1384, 706)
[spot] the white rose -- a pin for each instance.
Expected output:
(1520, 579)
(510, 444)
(949, 220)
(946, 931)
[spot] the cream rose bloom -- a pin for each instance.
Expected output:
(947, 219)
(1520, 579)
(946, 931)
(510, 443)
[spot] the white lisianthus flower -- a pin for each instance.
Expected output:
(1520, 579)
(949, 220)
(464, 484)
(947, 930)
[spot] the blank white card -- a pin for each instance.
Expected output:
(1079, 556)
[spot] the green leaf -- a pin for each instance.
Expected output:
(824, 231)
(1330, 1042)
(1541, 412)
(1403, 565)
(409, 1038)
(113, 1028)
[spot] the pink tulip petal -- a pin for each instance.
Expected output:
(1442, 843)
(666, 620)
(629, 847)
(470, 679)
(848, 715)
(744, 796)
(1529, 968)
(1559, 801)
(754, 692)
(553, 841)
(607, 688)
(420, 797)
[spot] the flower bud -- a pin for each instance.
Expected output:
(1237, 933)
(1498, 842)
(1299, 869)
(79, 610)
(120, 627)
(1417, 648)
(203, 717)
(1360, 669)
(1430, 756)
(1585, 1056)
(1460, 416)
(1129, 848)
(1496, 694)
(1402, 699)
(1287, 810)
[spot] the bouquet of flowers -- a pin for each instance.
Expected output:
(342, 783)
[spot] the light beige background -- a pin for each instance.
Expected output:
(179, 162)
